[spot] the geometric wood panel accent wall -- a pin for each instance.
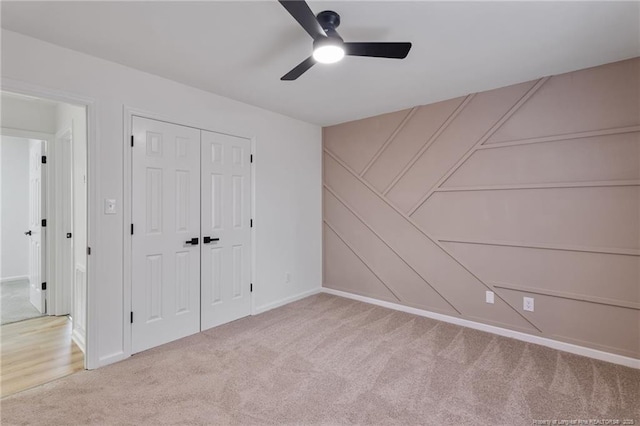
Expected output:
(528, 190)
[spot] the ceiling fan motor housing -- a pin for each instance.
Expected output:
(329, 21)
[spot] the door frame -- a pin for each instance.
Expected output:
(60, 302)
(128, 112)
(91, 356)
(49, 239)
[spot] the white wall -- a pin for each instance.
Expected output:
(28, 114)
(287, 166)
(14, 201)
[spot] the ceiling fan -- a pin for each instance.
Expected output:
(328, 46)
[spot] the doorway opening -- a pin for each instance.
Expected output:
(43, 240)
(21, 177)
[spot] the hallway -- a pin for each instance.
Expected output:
(37, 351)
(14, 296)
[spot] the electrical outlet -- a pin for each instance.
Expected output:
(527, 304)
(489, 297)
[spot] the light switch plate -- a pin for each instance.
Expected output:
(109, 206)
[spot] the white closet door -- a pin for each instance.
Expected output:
(35, 232)
(166, 216)
(226, 207)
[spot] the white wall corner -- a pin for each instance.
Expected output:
(286, 301)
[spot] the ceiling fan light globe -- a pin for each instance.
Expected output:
(328, 53)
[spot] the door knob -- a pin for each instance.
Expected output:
(207, 240)
(28, 232)
(193, 241)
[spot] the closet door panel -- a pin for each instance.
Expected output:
(225, 207)
(166, 217)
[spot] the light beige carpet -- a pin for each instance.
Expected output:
(329, 360)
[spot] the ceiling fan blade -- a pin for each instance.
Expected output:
(300, 69)
(378, 50)
(300, 11)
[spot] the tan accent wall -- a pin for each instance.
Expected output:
(529, 190)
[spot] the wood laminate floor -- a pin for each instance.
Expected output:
(37, 351)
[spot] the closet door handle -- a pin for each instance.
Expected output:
(207, 240)
(193, 241)
(28, 232)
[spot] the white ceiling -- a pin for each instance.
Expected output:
(240, 49)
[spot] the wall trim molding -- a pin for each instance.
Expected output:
(569, 296)
(27, 134)
(14, 278)
(389, 140)
(552, 185)
(366, 265)
(413, 223)
(562, 137)
(370, 228)
(286, 301)
(429, 142)
(543, 246)
(524, 337)
(492, 130)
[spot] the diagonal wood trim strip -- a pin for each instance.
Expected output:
(420, 230)
(570, 296)
(555, 185)
(563, 137)
(429, 142)
(389, 140)
(481, 141)
(348, 207)
(361, 259)
(601, 250)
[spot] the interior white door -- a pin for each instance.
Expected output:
(36, 232)
(226, 207)
(166, 217)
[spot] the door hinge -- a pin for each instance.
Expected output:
(44, 286)
(131, 140)
(44, 159)
(251, 288)
(88, 251)
(44, 222)
(132, 229)
(251, 158)
(131, 317)
(251, 223)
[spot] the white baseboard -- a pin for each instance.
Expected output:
(110, 359)
(79, 340)
(561, 346)
(15, 278)
(285, 301)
